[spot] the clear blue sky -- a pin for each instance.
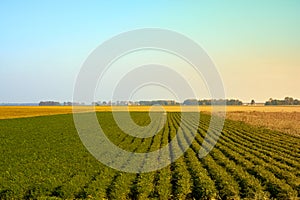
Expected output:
(255, 44)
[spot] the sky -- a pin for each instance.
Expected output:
(255, 45)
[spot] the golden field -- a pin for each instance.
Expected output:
(287, 122)
(281, 118)
(7, 112)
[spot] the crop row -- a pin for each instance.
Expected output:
(42, 160)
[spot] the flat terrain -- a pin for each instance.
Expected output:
(287, 122)
(7, 112)
(43, 157)
(280, 118)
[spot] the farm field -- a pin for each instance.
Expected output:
(287, 122)
(8, 112)
(280, 118)
(43, 158)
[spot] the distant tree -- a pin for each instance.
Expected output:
(252, 102)
(159, 102)
(49, 103)
(231, 102)
(191, 102)
(286, 101)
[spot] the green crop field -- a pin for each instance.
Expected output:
(44, 158)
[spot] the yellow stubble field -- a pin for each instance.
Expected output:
(8, 112)
(281, 118)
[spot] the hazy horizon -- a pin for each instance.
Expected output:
(255, 45)
(138, 100)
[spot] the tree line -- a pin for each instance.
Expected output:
(56, 103)
(270, 102)
(213, 102)
(285, 101)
